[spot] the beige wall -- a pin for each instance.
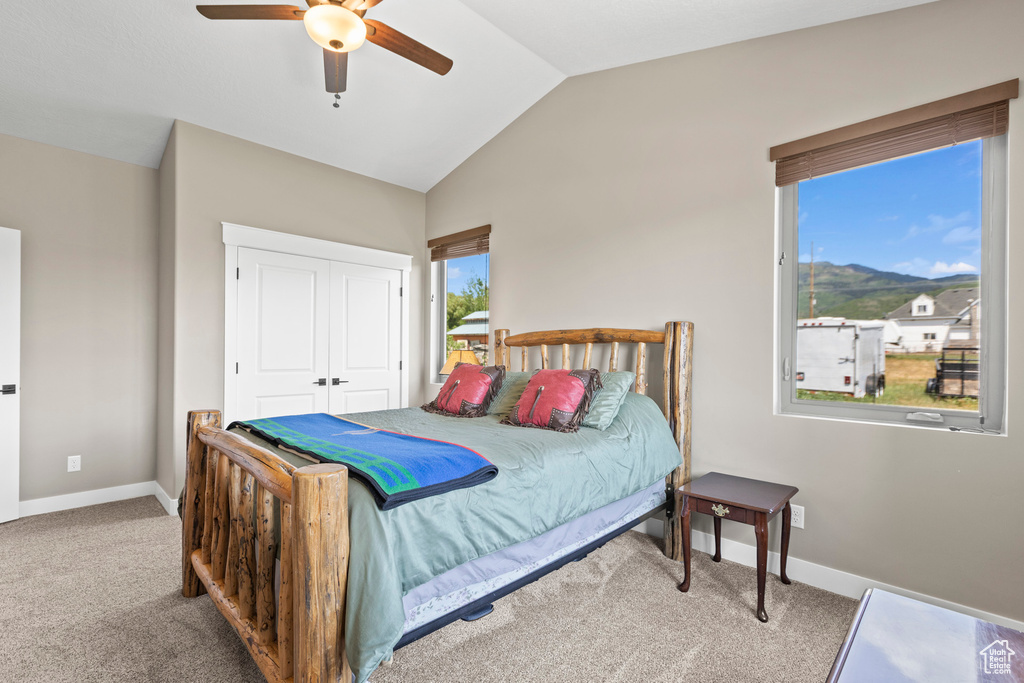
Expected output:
(223, 178)
(89, 256)
(166, 425)
(644, 193)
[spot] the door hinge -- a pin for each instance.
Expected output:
(236, 368)
(238, 273)
(400, 291)
(399, 365)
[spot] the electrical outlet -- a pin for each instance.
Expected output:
(74, 463)
(797, 518)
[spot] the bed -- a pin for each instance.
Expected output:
(291, 554)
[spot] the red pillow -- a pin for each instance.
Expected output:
(555, 399)
(468, 390)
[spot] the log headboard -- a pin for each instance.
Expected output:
(677, 339)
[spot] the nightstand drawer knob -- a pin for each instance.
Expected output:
(720, 510)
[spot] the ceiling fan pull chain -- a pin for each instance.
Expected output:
(337, 97)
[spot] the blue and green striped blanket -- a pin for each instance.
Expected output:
(398, 468)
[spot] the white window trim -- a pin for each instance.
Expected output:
(438, 321)
(991, 418)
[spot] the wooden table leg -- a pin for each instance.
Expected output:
(787, 515)
(685, 515)
(718, 540)
(761, 532)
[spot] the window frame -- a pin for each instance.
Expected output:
(991, 415)
(438, 319)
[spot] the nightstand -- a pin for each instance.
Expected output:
(749, 501)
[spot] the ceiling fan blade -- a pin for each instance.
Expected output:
(251, 12)
(367, 4)
(404, 46)
(336, 70)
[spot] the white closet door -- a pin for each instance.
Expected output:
(283, 332)
(366, 328)
(10, 364)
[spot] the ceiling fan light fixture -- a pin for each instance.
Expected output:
(333, 27)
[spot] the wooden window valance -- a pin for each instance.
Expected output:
(466, 243)
(978, 114)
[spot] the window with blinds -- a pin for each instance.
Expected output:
(892, 288)
(460, 320)
(474, 242)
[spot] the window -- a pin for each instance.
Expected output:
(885, 228)
(460, 298)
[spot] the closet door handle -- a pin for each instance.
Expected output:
(322, 382)
(335, 381)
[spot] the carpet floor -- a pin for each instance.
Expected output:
(94, 595)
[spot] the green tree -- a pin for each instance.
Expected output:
(474, 297)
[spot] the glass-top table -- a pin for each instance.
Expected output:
(898, 639)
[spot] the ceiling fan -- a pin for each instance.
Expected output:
(338, 27)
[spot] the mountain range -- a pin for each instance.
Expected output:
(858, 292)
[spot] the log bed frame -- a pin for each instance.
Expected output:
(229, 499)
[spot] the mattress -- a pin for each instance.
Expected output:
(486, 575)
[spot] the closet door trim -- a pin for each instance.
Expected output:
(235, 236)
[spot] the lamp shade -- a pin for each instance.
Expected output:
(458, 356)
(335, 28)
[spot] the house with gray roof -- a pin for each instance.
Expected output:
(929, 323)
(473, 328)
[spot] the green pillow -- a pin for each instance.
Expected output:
(511, 389)
(607, 401)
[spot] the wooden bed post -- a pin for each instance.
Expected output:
(193, 514)
(678, 374)
(501, 353)
(321, 551)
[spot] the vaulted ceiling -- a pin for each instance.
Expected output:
(109, 77)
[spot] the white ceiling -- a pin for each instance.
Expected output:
(109, 77)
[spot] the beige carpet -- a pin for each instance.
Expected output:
(93, 595)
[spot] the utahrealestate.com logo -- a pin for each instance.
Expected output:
(995, 659)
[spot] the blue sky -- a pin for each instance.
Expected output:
(460, 270)
(919, 215)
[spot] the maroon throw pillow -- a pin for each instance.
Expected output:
(555, 399)
(468, 390)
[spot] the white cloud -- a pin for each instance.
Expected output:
(924, 268)
(918, 266)
(962, 234)
(938, 223)
(943, 268)
(454, 272)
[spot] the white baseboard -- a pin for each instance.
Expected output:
(820, 576)
(40, 506)
(170, 504)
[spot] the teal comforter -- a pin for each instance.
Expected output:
(545, 479)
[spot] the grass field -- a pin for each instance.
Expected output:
(905, 379)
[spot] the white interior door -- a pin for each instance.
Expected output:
(283, 331)
(10, 371)
(366, 323)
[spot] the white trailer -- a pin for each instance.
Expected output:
(836, 354)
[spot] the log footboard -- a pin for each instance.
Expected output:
(230, 541)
